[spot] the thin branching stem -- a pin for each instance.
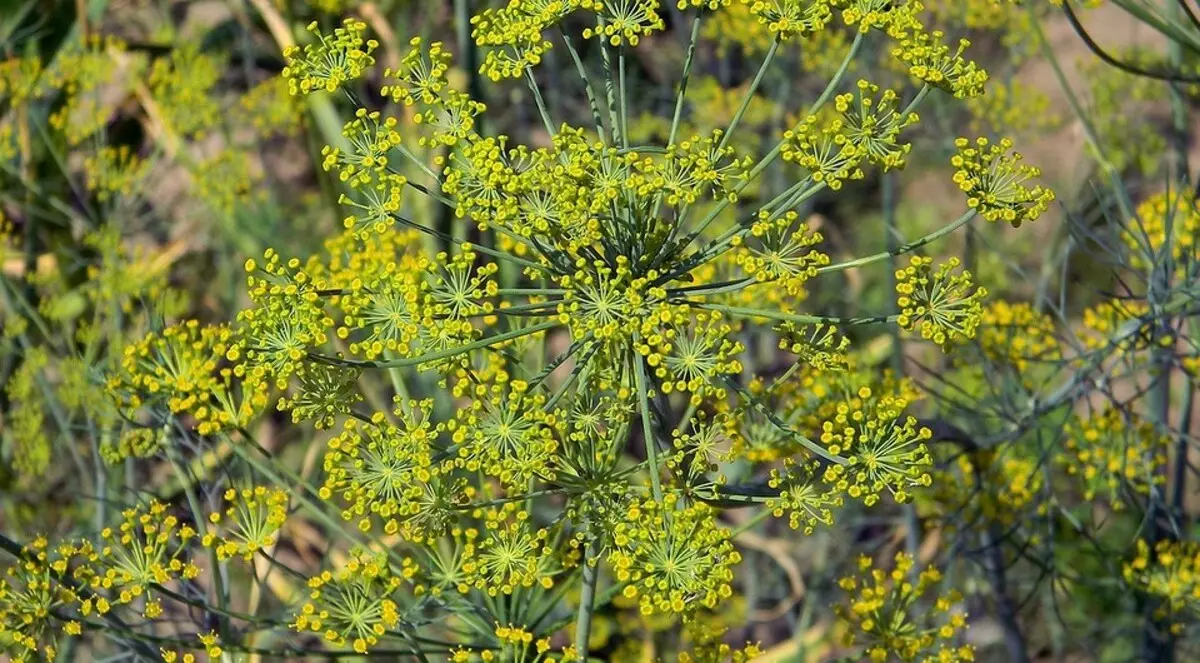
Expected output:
(749, 96)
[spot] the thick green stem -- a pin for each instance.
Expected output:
(587, 599)
(610, 91)
(639, 372)
(624, 94)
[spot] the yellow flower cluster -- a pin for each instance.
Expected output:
(512, 553)
(1013, 106)
(191, 370)
(421, 76)
(946, 306)
(380, 470)
(883, 449)
(791, 18)
(821, 147)
(604, 303)
(507, 432)
(709, 645)
(366, 161)
(930, 61)
(180, 85)
(225, 181)
(144, 552)
(1113, 454)
(26, 419)
(894, 18)
(354, 605)
(114, 171)
(134, 443)
(272, 109)
(1147, 238)
(886, 616)
(288, 318)
(866, 128)
(31, 591)
(623, 21)
(513, 35)
(208, 641)
(1000, 487)
(21, 79)
(559, 195)
(736, 26)
(779, 254)
(250, 523)
(1014, 333)
(87, 72)
(332, 61)
(1119, 326)
(692, 354)
(1171, 572)
(387, 307)
(125, 272)
(673, 559)
(821, 346)
(995, 182)
(324, 394)
(873, 124)
(803, 495)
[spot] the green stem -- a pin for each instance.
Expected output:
(762, 70)
(577, 371)
(610, 92)
(422, 166)
(750, 523)
(1089, 131)
(306, 503)
(541, 103)
(783, 426)
(900, 250)
(529, 291)
(495, 253)
(623, 97)
(794, 317)
(891, 248)
(639, 372)
(202, 528)
(778, 149)
(798, 194)
(587, 599)
(587, 88)
(435, 356)
(683, 80)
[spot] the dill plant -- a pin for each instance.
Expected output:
(567, 380)
(1072, 412)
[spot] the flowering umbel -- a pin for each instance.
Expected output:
(885, 618)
